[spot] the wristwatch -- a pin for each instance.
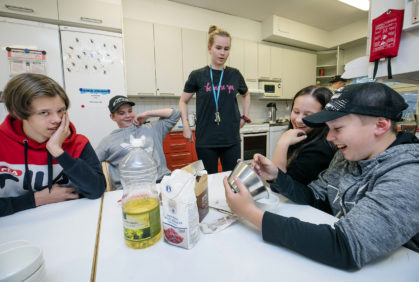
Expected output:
(246, 119)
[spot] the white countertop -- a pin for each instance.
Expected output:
(237, 253)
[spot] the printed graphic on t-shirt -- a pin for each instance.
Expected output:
(230, 88)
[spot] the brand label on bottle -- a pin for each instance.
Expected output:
(142, 225)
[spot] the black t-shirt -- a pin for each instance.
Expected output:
(207, 132)
(311, 160)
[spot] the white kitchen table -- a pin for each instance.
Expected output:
(236, 253)
(66, 233)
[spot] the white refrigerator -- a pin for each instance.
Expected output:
(93, 73)
(87, 63)
(27, 46)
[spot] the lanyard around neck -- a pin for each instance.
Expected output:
(216, 95)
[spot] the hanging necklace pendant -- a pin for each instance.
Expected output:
(217, 118)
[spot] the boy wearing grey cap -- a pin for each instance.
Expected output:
(371, 184)
(112, 147)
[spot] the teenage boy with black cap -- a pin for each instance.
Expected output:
(112, 149)
(371, 184)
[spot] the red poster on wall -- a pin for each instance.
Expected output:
(385, 37)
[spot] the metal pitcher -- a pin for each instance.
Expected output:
(250, 179)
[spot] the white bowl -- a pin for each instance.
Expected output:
(12, 244)
(19, 263)
(270, 204)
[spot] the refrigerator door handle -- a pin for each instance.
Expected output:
(19, 9)
(91, 20)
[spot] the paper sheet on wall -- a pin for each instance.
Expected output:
(92, 97)
(26, 60)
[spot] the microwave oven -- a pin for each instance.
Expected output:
(271, 88)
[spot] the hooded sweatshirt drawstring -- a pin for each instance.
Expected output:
(49, 171)
(27, 178)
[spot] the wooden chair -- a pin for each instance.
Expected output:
(105, 168)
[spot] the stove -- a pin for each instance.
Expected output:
(254, 139)
(255, 128)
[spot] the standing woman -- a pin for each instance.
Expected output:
(303, 152)
(218, 118)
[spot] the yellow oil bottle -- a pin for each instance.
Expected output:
(140, 200)
(141, 220)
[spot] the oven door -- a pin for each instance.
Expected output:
(253, 143)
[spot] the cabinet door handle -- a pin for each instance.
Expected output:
(180, 165)
(167, 93)
(174, 145)
(91, 20)
(180, 155)
(19, 9)
(145, 93)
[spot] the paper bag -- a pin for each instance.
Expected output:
(201, 187)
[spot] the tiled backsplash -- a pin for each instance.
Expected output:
(258, 108)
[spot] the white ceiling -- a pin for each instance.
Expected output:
(324, 14)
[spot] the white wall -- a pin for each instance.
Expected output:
(170, 13)
(354, 52)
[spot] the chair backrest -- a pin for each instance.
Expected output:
(105, 168)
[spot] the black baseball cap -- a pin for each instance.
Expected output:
(337, 78)
(368, 99)
(116, 101)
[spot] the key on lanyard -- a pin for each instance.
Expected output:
(217, 118)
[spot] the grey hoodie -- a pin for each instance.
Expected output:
(377, 200)
(110, 149)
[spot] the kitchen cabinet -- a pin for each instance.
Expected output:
(139, 53)
(276, 63)
(236, 58)
(329, 63)
(46, 9)
(168, 59)
(269, 62)
(250, 60)
(178, 151)
(298, 70)
(92, 12)
(194, 51)
(264, 61)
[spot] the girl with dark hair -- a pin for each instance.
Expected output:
(303, 152)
